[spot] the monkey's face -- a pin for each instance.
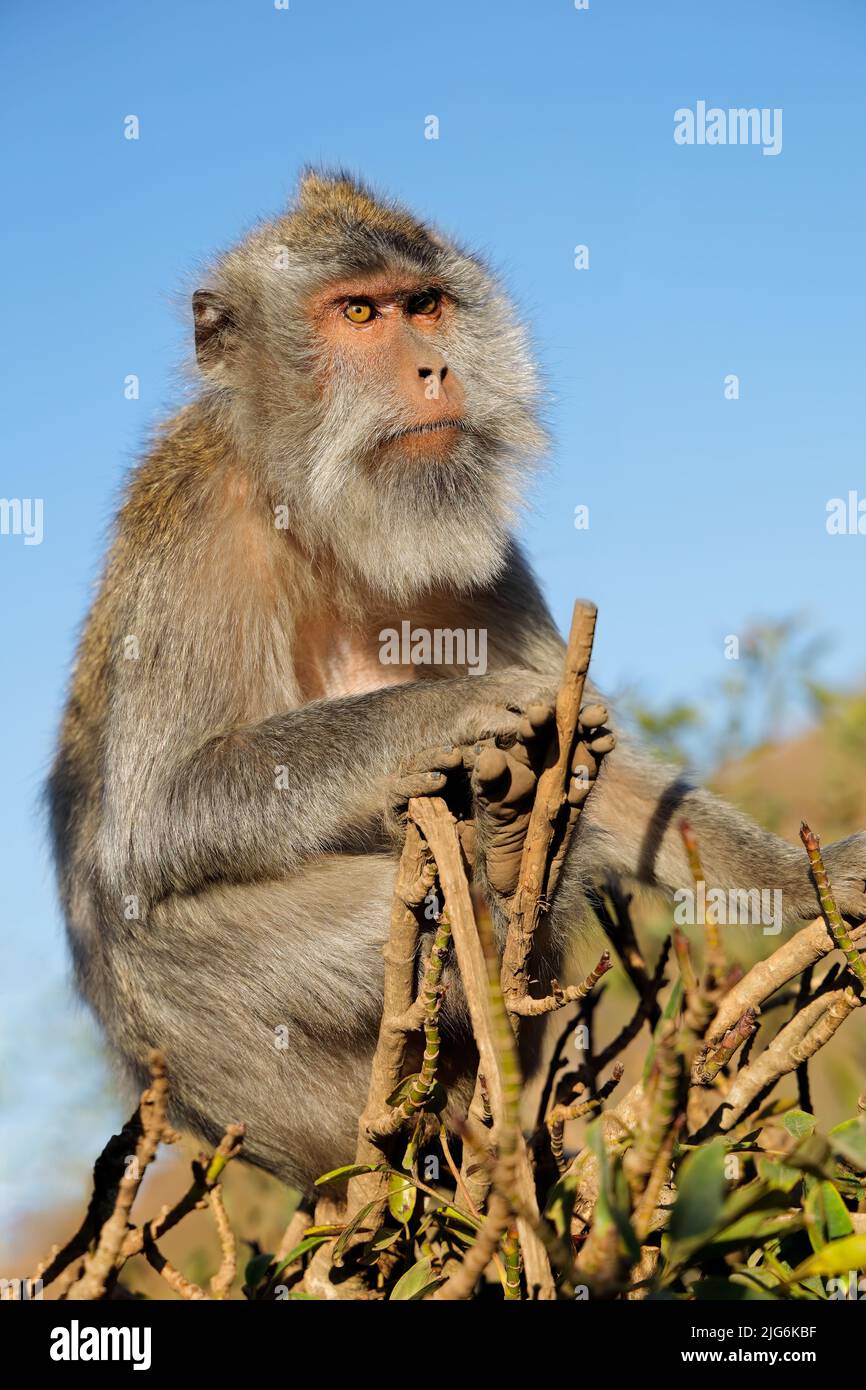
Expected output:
(392, 340)
(382, 382)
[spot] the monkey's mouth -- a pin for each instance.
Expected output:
(433, 427)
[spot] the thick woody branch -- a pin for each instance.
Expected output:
(550, 819)
(415, 877)
(805, 948)
(800, 1039)
(437, 825)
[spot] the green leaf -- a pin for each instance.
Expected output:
(671, 1009)
(256, 1269)
(416, 1282)
(387, 1237)
(701, 1187)
(348, 1231)
(351, 1171)
(750, 1214)
(848, 1141)
(560, 1204)
(799, 1123)
(402, 1195)
(780, 1176)
(308, 1243)
(840, 1257)
(613, 1205)
(812, 1155)
(827, 1217)
(754, 1227)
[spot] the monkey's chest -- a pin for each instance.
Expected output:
(334, 663)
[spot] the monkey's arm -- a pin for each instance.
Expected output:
(630, 827)
(254, 802)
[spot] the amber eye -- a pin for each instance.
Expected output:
(425, 302)
(358, 311)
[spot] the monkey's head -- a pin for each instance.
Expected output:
(380, 380)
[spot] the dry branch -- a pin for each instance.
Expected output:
(415, 877)
(100, 1266)
(550, 818)
(559, 997)
(798, 1040)
(805, 948)
(437, 824)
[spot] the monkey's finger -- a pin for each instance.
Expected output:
(592, 717)
(537, 722)
(579, 788)
(523, 782)
(602, 742)
(583, 762)
(523, 751)
(502, 782)
(410, 784)
(401, 790)
(472, 751)
(490, 767)
(444, 759)
(538, 715)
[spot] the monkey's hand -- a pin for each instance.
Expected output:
(845, 861)
(497, 705)
(426, 774)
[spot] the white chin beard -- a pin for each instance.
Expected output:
(414, 563)
(404, 527)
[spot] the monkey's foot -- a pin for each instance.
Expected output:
(504, 782)
(503, 787)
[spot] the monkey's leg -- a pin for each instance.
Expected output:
(630, 828)
(266, 999)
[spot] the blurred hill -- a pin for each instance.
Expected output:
(819, 776)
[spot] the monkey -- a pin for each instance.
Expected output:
(365, 426)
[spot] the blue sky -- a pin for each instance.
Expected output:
(556, 129)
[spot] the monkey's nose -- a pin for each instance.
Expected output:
(424, 372)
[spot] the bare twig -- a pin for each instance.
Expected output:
(205, 1176)
(430, 1001)
(415, 877)
(99, 1267)
(224, 1277)
(559, 997)
(173, 1277)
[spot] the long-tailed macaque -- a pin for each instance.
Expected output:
(234, 743)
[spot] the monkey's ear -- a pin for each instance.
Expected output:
(214, 330)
